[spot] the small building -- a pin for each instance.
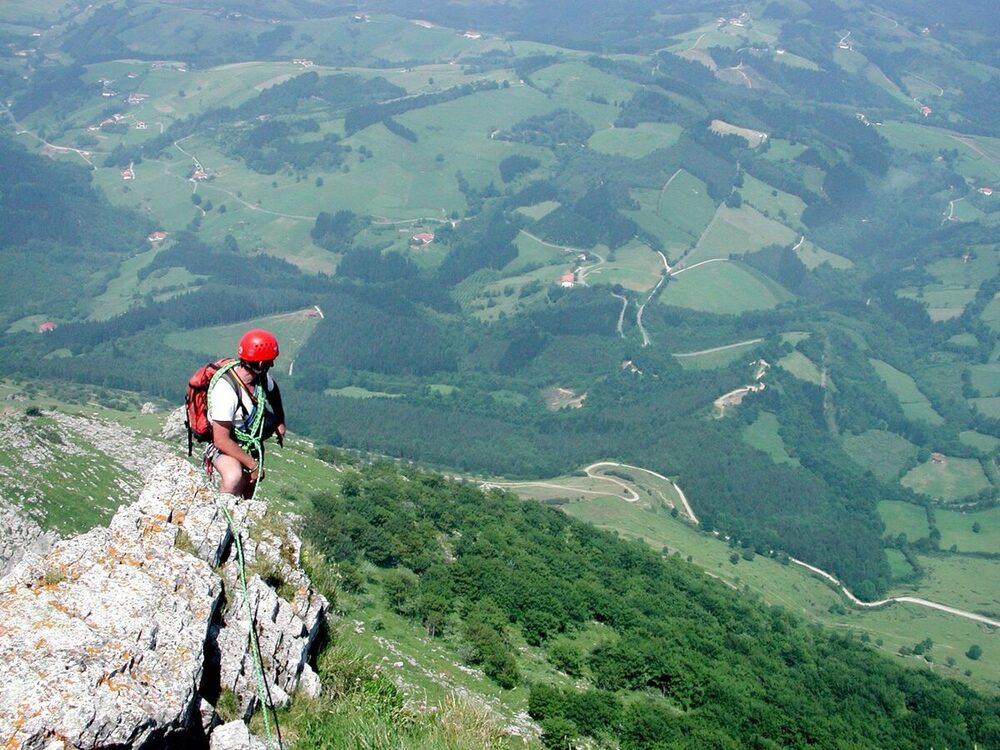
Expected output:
(135, 98)
(987, 191)
(199, 174)
(423, 238)
(108, 93)
(140, 125)
(128, 173)
(157, 236)
(567, 280)
(925, 110)
(304, 62)
(780, 51)
(47, 327)
(472, 35)
(937, 458)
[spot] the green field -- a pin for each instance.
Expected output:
(991, 315)
(539, 210)
(970, 583)
(635, 267)
(898, 564)
(356, 391)
(801, 367)
(942, 304)
(904, 518)
(986, 378)
(713, 360)
(914, 403)
(636, 142)
(813, 256)
(956, 528)
(531, 251)
(735, 231)
(921, 138)
(988, 406)
(763, 435)
(126, 289)
(772, 202)
(951, 480)
(984, 443)
(885, 454)
(677, 213)
(888, 628)
(958, 278)
(725, 288)
(292, 330)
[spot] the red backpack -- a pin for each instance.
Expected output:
(199, 427)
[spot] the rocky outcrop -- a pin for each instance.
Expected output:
(136, 635)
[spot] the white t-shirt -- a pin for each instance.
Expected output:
(224, 400)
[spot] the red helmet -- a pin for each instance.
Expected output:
(257, 345)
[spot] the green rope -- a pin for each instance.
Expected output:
(262, 692)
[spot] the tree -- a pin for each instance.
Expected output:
(974, 652)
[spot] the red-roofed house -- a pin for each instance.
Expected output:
(47, 326)
(157, 236)
(567, 280)
(199, 174)
(128, 174)
(423, 238)
(925, 110)
(472, 35)
(987, 191)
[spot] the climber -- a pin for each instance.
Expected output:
(244, 408)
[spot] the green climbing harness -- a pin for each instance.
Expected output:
(251, 436)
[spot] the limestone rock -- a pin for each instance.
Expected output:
(118, 637)
(235, 736)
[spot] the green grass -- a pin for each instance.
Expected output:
(578, 80)
(885, 454)
(956, 528)
(986, 378)
(813, 256)
(772, 202)
(984, 443)
(735, 231)
(715, 360)
(725, 288)
(355, 391)
(970, 583)
(676, 214)
(950, 481)
(126, 289)
(898, 564)
(801, 367)
(991, 314)
(781, 149)
(942, 304)
(763, 435)
(637, 142)
(292, 330)
(634, 266)
(904, 518)
(914, 403)
(923, 139)
(539, 210)
(795, 61)
(532, 252)
(988, 406)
